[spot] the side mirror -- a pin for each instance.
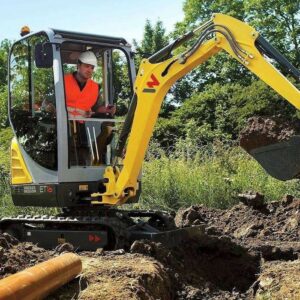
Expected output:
(43, 55)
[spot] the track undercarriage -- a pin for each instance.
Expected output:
(101, 228)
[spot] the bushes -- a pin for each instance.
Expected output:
(220, 112)
(5, 138)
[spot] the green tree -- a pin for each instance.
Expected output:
(3, 106)
(154, 38)
(279, 22)
(220, 68)
(196, 11)
(4, 50)
(121, 82)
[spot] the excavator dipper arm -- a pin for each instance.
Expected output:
(157, 74)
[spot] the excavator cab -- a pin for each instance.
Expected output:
(56, 158)
(61, 161)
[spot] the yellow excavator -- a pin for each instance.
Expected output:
(47, 169)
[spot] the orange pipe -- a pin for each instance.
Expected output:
(39, 281)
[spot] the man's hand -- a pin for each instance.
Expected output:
(109, 109)
(88, 114)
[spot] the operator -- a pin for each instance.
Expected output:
(82, 93)
(82, 100)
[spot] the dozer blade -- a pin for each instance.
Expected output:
(280, 160)
(171, 238)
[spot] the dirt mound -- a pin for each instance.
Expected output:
(113, 275)
(15, 256)
(260, 132)
(249, 251)
(279, 280)
(125, 276)
(270, 229)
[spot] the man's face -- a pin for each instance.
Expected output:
(85, 71)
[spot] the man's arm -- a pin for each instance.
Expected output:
(101, 108)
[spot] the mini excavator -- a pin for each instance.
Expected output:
(58, 161)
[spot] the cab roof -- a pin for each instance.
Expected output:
(90, 37)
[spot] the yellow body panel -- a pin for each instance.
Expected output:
(19, 171)
(152, 84)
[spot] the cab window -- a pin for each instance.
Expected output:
(32, 103)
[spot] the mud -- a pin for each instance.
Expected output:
(250, 251)
(260, 132)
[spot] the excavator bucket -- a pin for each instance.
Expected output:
(281, 160)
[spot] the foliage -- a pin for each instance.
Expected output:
(5, 138)
(121, 82)
(3, 106)
(4, 50)
(220, 112)
(279, 22)
(154, 38)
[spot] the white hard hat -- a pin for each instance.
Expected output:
(88, 57)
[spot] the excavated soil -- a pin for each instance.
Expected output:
(250, 251)
(15, 256)
(262, 131)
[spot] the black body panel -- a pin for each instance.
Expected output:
(58, 195)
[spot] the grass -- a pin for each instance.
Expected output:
(213, 175)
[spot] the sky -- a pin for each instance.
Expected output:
(122, 18)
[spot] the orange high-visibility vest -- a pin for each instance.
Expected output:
(80, 100)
